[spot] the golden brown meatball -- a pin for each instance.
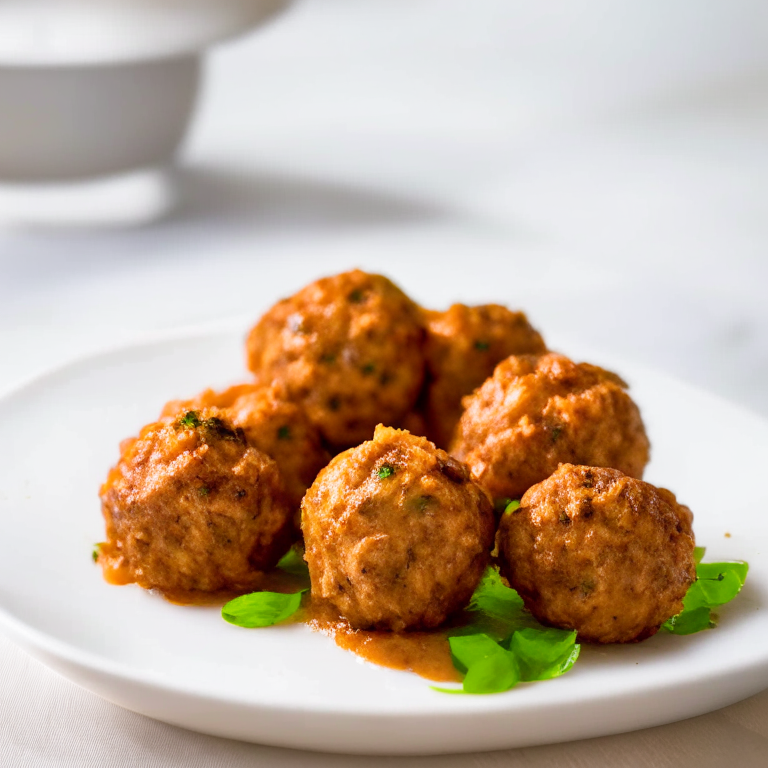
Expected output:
(349, 348)
(397, 535)
(191, 506)
(538, 411)
(463, 346)
(593, 550)
(273, 425)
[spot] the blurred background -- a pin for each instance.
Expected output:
(614, 152)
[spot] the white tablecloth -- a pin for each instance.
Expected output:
(618, 150)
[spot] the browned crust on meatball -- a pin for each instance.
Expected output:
(536, 412)
(397, 535)
(593, 550)
(349, 348)
(195, 507)
(273, 425)
(463, 346)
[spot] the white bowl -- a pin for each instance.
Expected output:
(92, 88)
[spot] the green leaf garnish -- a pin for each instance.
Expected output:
(96, 552)
(688, 622)
(293, 562)
(203, 490)
(482, 346)
(496, 609)
(698, 553)
(284, 433)
(492, 674)
(513, 506)
(543, 653)
(467, 650)
(261, 609)
(385, 471)
(488, 667)
(715, 585)
(504, 644)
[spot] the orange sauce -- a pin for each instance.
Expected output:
(424, 653)
(113, 565)
(427, 654)
(115, 570)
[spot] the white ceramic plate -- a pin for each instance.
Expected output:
(287, 686)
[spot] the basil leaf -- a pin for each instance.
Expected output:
(293, 562)
(497, 610)
(544, 653)
(688, 622)
(489, 668)
(493, 674)
(714, 570)
(467, 650)
(717, 583)
(261, 609)
(698, 554)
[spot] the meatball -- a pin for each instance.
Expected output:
(463, 346)
(538, 411)
(191, 506)
(349, 348)
(274, 426)
(397, 535)
(593, 550)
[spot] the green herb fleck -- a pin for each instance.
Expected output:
(513, 506)
(215, 428)
(368, 369)
(385, 471)
(261, 609)
(564, 517)
(328, 359)
(96, 552)
(190, 420)
(556, 432)
(482, 346)
(284, 433)
(203, 490)
(357, 296)
(422, 502)
(210, 429)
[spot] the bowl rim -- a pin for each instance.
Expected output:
(77, 33)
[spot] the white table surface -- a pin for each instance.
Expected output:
(616, 154)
